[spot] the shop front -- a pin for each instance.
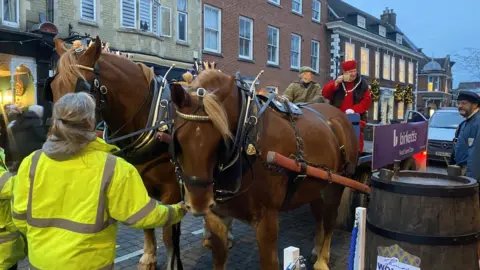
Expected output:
(18, 80)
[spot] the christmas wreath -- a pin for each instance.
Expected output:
(375, 90)
(399, 93)
(409, 94)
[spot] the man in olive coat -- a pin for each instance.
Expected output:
(305, 90)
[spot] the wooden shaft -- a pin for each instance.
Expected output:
(290, 164)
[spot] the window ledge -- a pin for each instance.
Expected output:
(182, 43)
(246, 60)
(212, 53)
(274, 4)
(297, 13)
(138, 32)
(273, 65)
(88, 23)
(294, 69)
(317, 22)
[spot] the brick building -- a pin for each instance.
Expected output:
(278, 36)
(26, 40)
(383, 52)
(434, 83)
(155, 32)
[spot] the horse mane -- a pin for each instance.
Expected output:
(68, 72)
(213, 80)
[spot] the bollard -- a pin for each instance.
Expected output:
(290, 254)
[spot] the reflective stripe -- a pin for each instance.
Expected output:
(108, 267)
(147, 209)
(9, 237)
(171, 211)
(100, 223)
(18, 216)
(4, 179)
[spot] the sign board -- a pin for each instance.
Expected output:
(398, 142)
(384, 263)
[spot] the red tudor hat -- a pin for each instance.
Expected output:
(349, 65)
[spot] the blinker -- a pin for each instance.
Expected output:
(82, 86)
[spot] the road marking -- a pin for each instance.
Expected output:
(128, 256)
(197, 232)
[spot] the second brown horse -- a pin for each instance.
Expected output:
(207, 116)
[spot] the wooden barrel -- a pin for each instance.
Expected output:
(425, 220)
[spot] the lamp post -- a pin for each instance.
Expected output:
(338, 59)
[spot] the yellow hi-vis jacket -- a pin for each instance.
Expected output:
(68, 209)
(12, 246)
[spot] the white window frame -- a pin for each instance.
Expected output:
(300, 6)
(219, 36)
(250, 49)
(169, 21)
(275, 2)
(361, 21)
(410, 72)
(347, 55)
(401, 71)
(276, 45)
(134, 16)
(9, 23)
(272, 87)
(365, 64)
(382, 31)
(377, 65)
(317, 66)
(399, 39)
(150, 25)
(81, 11)
(319, 19)
(178, 22)
(394, 71)
(386, 67)
(292, 65)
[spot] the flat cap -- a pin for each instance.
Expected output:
(306, 69)
(469, 96)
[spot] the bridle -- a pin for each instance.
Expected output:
(246, 121)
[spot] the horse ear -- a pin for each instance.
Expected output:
(179, 96)
(59, 46)
(93, 52)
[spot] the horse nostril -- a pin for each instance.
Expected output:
(188, 207)
(211, 206)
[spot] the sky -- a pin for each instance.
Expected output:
(440, 27)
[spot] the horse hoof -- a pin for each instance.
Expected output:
(147, 262)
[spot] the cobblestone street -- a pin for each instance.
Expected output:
(296, 229)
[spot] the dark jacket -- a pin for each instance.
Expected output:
(360, 85)
(467, 146)
(26, 135)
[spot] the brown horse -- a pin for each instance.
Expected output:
(210, 114)
(124, 92)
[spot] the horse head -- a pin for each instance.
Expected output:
(120, 86)
(205, 115)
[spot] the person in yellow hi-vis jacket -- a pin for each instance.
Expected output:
(12, 246)
(69, 195)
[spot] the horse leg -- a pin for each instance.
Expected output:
(317, 210)
(206, 241)
(267, 240)
(218, 240)
(148, 261)
(332, 197)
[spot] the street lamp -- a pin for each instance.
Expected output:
(338, 59)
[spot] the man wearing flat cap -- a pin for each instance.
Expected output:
(305, 90)
(351, 94)
(467, 138)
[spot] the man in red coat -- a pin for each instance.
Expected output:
(351, 94)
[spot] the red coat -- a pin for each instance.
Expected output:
(360, 108)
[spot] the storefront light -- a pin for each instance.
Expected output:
(7, 96)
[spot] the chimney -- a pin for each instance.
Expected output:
(389, 16)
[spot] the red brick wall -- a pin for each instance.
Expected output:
(264, 14)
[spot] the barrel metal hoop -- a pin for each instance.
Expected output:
(423, 239)
(425, 191)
